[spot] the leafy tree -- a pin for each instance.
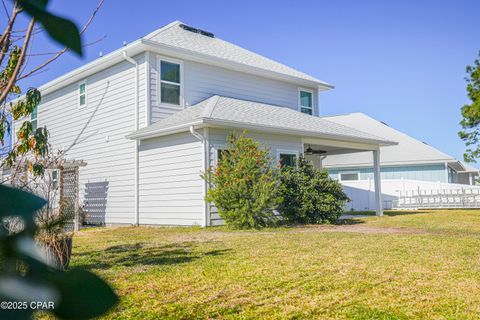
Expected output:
(310, 195)
(244, 185)
(15, 49)
(24, 274)
(471, 114)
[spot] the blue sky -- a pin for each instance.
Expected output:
(402, 62)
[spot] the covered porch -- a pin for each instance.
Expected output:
(316, 150)
(285, 131)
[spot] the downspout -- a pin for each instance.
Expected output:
(137, 105)
(204, 142)
(196, 134)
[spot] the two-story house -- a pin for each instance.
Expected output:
(148, 118)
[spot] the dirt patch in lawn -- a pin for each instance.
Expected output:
(365, 229)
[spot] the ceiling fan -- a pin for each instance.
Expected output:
(310, 151)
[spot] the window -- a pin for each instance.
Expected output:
(221, 153)
(306, 101)
(287, 158)
(33, 119)
(349, 176)
(54, 179)
(82, 94)
(170, 83)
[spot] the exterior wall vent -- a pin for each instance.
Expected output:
(195, 30)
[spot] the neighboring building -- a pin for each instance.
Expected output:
(147, 119)
(409, 165)
(409, 159)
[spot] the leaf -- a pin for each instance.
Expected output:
(15, 202)
(83, 294)
(60, 29)
(16, 288)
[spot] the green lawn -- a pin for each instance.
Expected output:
(401, 266)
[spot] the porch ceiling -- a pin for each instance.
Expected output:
(333, 150)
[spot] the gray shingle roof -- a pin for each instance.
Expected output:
(175, 36)
(408, 150)
(260, 116)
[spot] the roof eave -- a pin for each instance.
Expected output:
(391, 163)
(97, 65)
(207, 59)
(241, 125)
(286, 131)
(142, 45)
(140, 135)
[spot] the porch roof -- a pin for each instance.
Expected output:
(219, 111)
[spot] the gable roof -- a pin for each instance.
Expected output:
(408, 150)
(236, 113)
(470, 168)
(175, 35)
(175, 41)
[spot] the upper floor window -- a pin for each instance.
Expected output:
(33, 119)
(170, 83)
(306, 101)
(82, 94)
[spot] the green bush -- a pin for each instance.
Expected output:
(244, 186)
(310, 195)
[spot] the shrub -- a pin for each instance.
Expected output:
(310, 195)
(244, 185)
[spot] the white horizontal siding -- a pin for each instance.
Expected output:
(202, 81)
(271, 142)
(96, 134)
(142, 90)
(170, 184)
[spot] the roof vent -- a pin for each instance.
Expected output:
(384, 123)
(195, 30)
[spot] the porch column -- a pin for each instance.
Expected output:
(377, 181)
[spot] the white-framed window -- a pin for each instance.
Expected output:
(349, 176)
(82, 94)
(34, 119)
(54, 176)
(305, 101)
(287, 158)
(171, 81)
(219, 153)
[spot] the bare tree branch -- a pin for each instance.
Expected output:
(35, 54)
(5, 38)
(61, 52)
(13, 78)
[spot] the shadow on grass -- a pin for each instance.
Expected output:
(351, 221)
(139, 254)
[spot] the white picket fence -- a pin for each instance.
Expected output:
(411, 194)
(449, 198)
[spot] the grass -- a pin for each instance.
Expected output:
(401, 266)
